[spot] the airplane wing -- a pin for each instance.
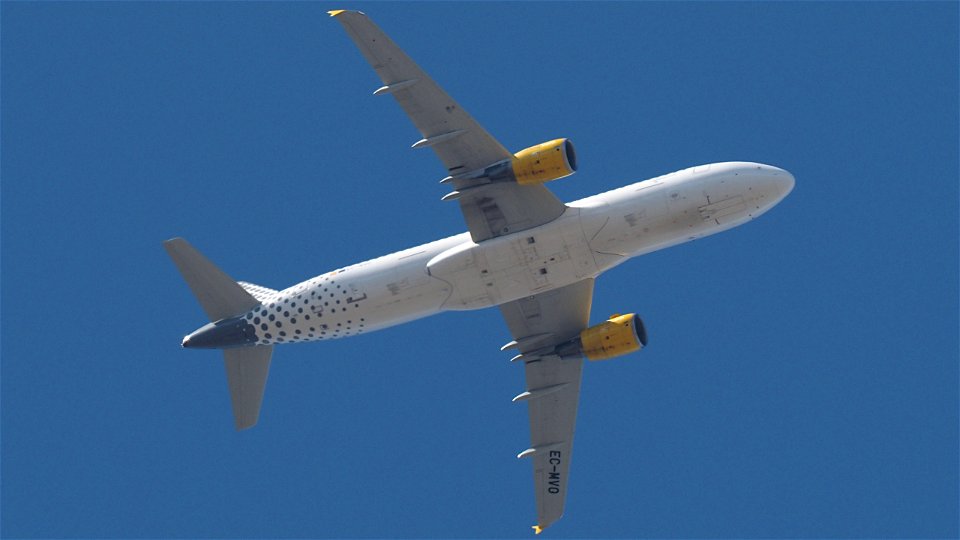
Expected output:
(537, 324)
(459, 141)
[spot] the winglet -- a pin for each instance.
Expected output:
(537, 529)
(335, 12)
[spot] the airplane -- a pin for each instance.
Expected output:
(524, 251)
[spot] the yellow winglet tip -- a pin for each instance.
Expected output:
(335, 12)
(537, 529)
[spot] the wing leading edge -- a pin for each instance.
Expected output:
(462, 144)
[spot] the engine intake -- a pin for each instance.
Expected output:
(544, 162)
(617, 336)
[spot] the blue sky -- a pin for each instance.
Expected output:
(802, 374)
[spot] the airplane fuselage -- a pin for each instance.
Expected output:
(525, 251)
(593, 235)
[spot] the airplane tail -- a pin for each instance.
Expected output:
(221, 297)
(247, 370)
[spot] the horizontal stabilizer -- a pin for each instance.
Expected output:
(247, 370)
(219, 295)
(259, 292)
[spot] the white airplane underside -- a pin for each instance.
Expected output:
(525, 251)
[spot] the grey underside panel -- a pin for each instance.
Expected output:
(219, 295)
(492, 210)
(247, 370)
(564, 313)
(500, 209)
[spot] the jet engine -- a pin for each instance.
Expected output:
(617, 336)
(544, 162)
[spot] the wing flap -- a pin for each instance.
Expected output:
(500, 209)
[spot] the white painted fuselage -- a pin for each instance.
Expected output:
(592, 236)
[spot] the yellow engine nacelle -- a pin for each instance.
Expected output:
(545, 162)
(619, 335)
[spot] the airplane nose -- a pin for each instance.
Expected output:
(784, 182)
(778, 181)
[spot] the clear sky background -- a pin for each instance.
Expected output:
(802, 373)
